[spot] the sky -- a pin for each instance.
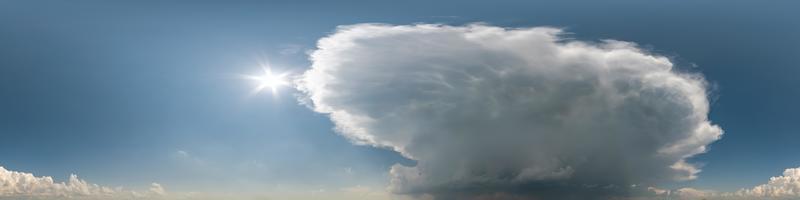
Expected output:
(394, 100)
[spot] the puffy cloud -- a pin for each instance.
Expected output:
(156, 188)
(21, 185)
(778, 188)
(787, 185)
(496, 112)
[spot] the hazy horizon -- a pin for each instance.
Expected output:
(399, 100)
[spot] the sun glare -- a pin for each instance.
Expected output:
(269, 80)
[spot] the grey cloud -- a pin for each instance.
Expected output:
(492, 112)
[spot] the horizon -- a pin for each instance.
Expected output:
(399, 100)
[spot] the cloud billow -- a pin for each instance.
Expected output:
(783, 187)
(491, 112)
(22, 186)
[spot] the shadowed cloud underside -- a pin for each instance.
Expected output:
(525, 112)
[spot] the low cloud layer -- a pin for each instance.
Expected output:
(489, 111)
(787, 185)
(21, 185)
(777, 188)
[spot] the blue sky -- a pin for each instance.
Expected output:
(129, 93)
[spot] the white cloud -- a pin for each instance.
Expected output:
(21, 185)
(778, 188)
(692, 193)
(493, 111)
(156, 188)
(787, 185)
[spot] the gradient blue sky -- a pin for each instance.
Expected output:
(128, 93)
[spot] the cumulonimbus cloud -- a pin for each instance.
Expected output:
(491, 111)
(22, 185)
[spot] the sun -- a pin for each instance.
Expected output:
(269, 80)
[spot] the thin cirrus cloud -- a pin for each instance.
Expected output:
(492, 112)
(22, 185)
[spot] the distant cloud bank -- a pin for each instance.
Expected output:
(498, 113)
(21, 185)
(779, 187)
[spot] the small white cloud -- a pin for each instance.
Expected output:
(182, 154)
(658, 191)
(692, 193)
(187, 158)
(156, 188)
(348, 171)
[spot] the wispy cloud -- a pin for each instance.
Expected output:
(291, 49)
